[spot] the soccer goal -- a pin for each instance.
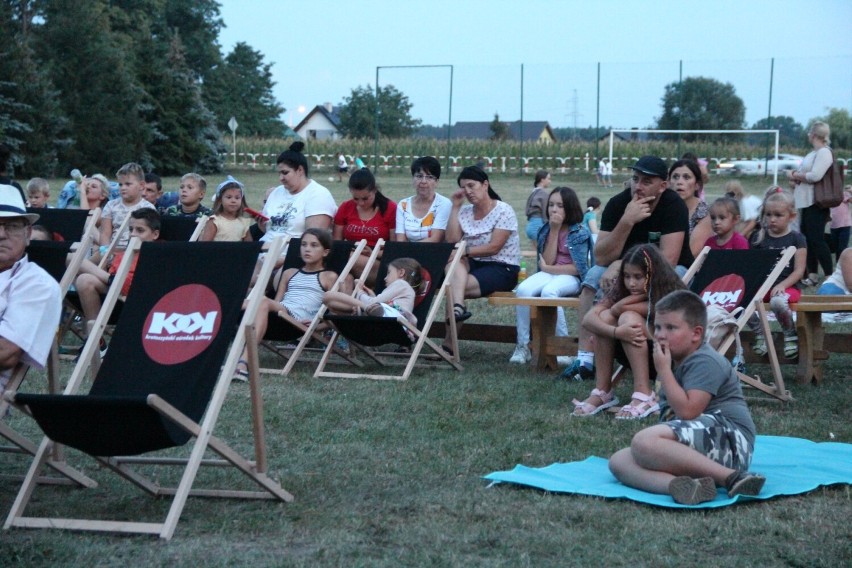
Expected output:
(652, 131)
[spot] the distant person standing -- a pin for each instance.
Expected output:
(608, 172)
(342, 166)
(600, 172)
(813, 218)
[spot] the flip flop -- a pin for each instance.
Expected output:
(241, 375)
(460, 313)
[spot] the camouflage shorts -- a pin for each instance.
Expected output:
(717, 438)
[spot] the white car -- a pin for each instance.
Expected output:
(760, 165)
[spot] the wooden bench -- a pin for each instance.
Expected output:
(813, 347)
(544, 345)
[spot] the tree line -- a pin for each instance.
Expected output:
(93, 84)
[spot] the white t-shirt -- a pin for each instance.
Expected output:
(116, 210)
(477, 233)
(287, 212)
(419, 228)
(750, 206)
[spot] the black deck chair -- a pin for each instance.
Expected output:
(163, 381)
(174, 228)
(283, 328)
(52, 257)
(70, 224)
(741, 279)
(365, 333)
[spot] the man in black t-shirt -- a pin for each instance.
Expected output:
(647, 212)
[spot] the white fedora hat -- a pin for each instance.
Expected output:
(12, 205)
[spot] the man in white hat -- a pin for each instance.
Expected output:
(30, 302)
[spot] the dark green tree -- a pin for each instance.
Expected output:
(198, 24)
(840, 123)
(358, 113)
(791, 133)
(700, 103)
(100, 93)
(185, 136)
(242, 87)
(499, 129)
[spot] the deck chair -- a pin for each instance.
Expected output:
(283, 328)
(70, 224)
(52, 257)
(173, 228)
(365, 333)
(741, 279)
(163, 381)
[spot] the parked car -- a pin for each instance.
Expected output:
(760, 165)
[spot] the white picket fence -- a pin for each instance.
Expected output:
(502, 164)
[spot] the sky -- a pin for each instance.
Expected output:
(322, 49)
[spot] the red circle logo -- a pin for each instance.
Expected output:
(727, 291)
(182, 324)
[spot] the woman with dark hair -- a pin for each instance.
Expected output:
(686, 179)
(423, 217)
(489, 228)
(368, 215)
(537, 204)
(563, 251)
(297, 204)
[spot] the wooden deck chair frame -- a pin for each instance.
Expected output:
(777, 388)
(309, 332)
(202, 432)
(21, 444)
(49, 217)
(421, 334)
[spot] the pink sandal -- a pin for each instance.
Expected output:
(585, 408)
(648, 404)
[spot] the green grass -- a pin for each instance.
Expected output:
(389, 474)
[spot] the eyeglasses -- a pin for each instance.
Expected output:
(424, 177)
(14, 228)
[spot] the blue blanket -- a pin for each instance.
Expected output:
(791, 466)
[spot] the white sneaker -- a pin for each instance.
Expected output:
(521, 355)
(564, 360)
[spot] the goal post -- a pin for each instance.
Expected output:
(652, 131)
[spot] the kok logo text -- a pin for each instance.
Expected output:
(193, 326)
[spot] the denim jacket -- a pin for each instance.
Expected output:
(578, 240)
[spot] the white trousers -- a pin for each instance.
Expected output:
(546, 286)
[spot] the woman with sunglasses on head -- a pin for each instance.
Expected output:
(423, 217)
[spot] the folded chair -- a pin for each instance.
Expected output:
(283, 328)
(52, 257)
(163, 381)
(366, 333)
(736, 279)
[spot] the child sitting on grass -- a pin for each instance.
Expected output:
(191, 194)
(93, 282)
(131, 181)
(707, 435)
(228, 222)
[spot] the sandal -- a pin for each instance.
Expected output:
(241, 375)
(586, 408)
(791, 345)
(460, 313)
(647, 405)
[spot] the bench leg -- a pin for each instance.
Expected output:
(811, 335)
(542, 323)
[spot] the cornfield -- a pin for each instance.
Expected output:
(397, 154)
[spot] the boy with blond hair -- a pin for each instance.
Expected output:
(38, 193)
(191, 194)
(706, 436)
(131, 181)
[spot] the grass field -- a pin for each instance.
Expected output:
(390, 474)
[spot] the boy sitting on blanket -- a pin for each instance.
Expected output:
(706, 437)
